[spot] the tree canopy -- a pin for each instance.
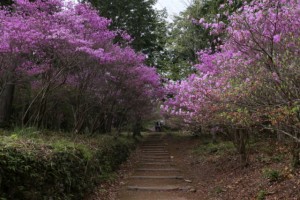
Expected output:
(145, 25)
(186, 38)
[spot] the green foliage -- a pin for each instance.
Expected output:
(57, 166)
(6, 2)
(140, 20)
(186, 37)
(218, 148)
(263, 159)
(271, 174)
(267, 149)
(278, 158)
(261, 195)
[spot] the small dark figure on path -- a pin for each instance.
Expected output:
(158, 126)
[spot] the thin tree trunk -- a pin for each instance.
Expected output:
(6, 99)
(240, 140)
(296, 155)
(214, 136)
(296, 152)
(137, 128)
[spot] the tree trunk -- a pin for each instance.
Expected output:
(41, 112)
(296, 150)
(137, 128)
(6, 99)
(241, 138)
(108, 123)
(296, 154)
(214, 137)
(279, 136)
(242, 149)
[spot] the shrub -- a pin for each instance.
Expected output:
(57, 167)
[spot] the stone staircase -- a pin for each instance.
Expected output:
(156, 176)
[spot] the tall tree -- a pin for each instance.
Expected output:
(186, 37)
(7, 89)
(139, 19)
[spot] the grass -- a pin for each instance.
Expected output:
(261, 195)
(271, 174)
(57, 141)
(219, 148)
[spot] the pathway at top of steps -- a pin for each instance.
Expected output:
(156, 176)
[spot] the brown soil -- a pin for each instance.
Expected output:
(214, 175)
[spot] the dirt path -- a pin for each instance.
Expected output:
(160, 167)
(155, 176)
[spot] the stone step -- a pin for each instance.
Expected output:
(155, 135)
(154, 146)
(153, 143)
(148, 155)
(143, 157)
(154, 139)
(162, 150)
(157, 169)
(155, 182)
(156, 151)
(157, 163)
(156, 154)
(155, 160)
(148, 195)
(155, 157)
(156, 177)
(162, 188)
(157, 173)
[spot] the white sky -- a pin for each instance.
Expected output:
(174, 7)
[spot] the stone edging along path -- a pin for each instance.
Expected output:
(155, 176)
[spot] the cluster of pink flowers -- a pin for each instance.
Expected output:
(254, 76)
(54, 45)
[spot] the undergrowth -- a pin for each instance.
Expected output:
(219, 148)
(46, 165)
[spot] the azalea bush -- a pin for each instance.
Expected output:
(60, 69)
(251, 82)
